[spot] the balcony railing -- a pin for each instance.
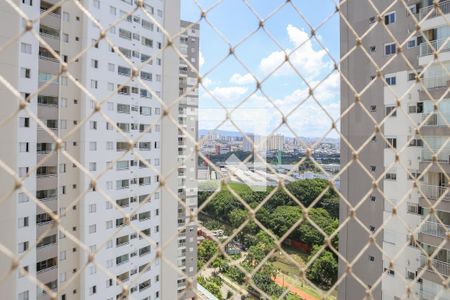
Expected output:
(434, 192)
(436, 119)
(444, 8)
(441, 266)
(53, 13)
(428, 48)
(434, 229)
(436, 82)
(443, 155)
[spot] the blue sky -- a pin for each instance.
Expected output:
(231, 83)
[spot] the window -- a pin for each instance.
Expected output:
(122, 165)
(147, 25)
(22, 198)
(65, 38)
(94, 63)
(25, 73)
(92, 166)
(24, 295)
(92, 290)
(145, 94)
(416, 143)
(146, 76)
(24, 147)
(92, 146)
(24, 122)
(122, 184)
(391, 79)
(109, 224)
(23, 222)
(147, 42)
(28, 2)
(64, 81)
(111, 67)
(391, 176)
(146, 111)
(96, 3)
(145, 180)
(390, 49)
(389, 109)
(94, 84)
(124, 71)
(92, 228)
(23, 246)
(418, 108)
(66, 17)
(92, 208)
(93, 125)
(112, 10)
(389, 18)
(25, 48)
(412, 43)
(23, 171)
(125, 34)
(109, 146)
(391, 142)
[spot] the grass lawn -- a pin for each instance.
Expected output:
(286, 267)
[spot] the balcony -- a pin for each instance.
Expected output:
(444, 8)
(436, 87)
(434, 229)
(434, 192)
(435, 124)
(441, 266)
(428, 48)
(443, 156)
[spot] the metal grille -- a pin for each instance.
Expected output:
(249, 269)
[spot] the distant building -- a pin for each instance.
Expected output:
(253, 140)
(275, 142)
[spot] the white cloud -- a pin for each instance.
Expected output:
(207, 82)
(306, 59)
(201, 59)
(309, 119)
(242, 79)
(231, 93)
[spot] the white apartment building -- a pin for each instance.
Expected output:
(275, 142)
(126, 72)
(187, 158)
(417, 157)
(408, 100)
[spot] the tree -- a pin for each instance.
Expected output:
(283, 218)
(306, 191)
(324, 269)
(308, 234)
(212, 285)
(264, 280)
(206, 250)
(237, 217)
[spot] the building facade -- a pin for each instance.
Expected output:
(187, 164)
(98, 98)
(409, 83)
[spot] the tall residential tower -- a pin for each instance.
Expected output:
(401, 95)
(98, 161)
